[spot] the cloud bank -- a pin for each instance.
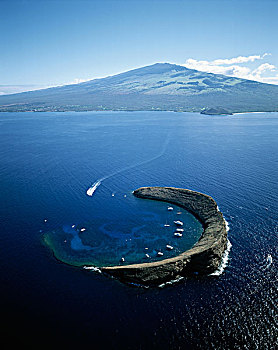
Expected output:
(236, 67)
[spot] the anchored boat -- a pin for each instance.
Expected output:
(178, 223)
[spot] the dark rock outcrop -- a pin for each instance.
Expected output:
(216, 111)
(204, 258)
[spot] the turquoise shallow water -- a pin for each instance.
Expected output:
(135, 231)
(47, 163)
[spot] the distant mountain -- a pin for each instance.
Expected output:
(161, 86)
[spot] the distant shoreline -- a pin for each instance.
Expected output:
(131, 110)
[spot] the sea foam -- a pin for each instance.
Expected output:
(162, 285)
(93, 268)
(225, 260)
(227, 225)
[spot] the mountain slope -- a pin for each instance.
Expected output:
(161, 86)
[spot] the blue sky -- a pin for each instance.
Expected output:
(48, 42)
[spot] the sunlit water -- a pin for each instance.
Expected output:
(47, 163)
(132, 229)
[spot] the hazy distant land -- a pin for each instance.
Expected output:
(159, 87)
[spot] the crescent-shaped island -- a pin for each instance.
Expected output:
(203, 258)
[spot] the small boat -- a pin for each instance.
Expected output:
(166, 225)
(45, 220)
(179, 212)
(83, 229)
(179, 229)
(170, 208)
(159, 253)
(113, 194)
(125, 195)
(72, 226)
(146, 248)
(178, 234)
(122, 259)
(90, 191)
(169, 247)
(178, 223)
(147, 256)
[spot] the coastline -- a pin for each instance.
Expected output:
(65, 110)
(203, 258)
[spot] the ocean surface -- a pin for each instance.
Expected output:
(125, 230)
(47, 163)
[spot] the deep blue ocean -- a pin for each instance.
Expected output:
(47, 163)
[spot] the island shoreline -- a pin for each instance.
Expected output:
(202, 259)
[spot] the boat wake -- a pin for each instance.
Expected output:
(94, 186)
(91, 190)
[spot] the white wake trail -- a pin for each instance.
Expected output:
(95, 185)
(160, 154)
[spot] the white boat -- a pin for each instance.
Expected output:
(178, 223)
(91, 190)
(178, 234)
(269, 259)
(169, 247)
(147, 256)
(166, 225)
(83, 229)
(122, 259)
(179, 229)
(159, 253)
(170, 208)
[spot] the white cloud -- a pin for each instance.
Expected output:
(74, 81)
(270, 80)
(232, 68)
(78, 81)
(225, 61)
(263, 68)
(240, 59)
(206, 66)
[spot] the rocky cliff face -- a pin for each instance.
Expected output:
(206, 255)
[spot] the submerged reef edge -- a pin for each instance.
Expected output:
(202, 259)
